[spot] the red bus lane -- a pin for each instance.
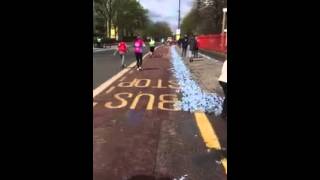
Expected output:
(140, 131)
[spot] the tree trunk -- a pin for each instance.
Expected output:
(106, 28)
(109, 28)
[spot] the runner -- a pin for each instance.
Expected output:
(99, 42)
(152, 45)
(162, 40)
(138, 49)
(122, 49)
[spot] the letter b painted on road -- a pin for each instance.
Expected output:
(173, 101)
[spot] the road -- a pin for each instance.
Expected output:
(105, 64)
(140, 134)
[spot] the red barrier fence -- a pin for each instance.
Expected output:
(213, 42)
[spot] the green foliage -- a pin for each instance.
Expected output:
(204, 18)
(128, 15)
(157, 30)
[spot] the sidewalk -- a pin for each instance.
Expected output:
(206, 71)
(215, 55)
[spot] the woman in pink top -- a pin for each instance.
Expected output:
(138, 50)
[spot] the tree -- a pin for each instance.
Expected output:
(190, 22)
(157, 30)
(105, 9)
(127, 15)
(205, 17)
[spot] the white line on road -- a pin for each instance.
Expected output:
(123, 78)
(110, 89)
(101, 50)
(106, 84)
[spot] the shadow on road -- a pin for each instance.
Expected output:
(144, 177)
(147, 69)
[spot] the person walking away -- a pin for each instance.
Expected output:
(152, 45)
(122, 50)
(193, 44)
(197, 48)
(99, 42)
(185, 43)
(180, 42)
(223, 83)
(138, 49)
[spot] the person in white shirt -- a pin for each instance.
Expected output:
(223, 83)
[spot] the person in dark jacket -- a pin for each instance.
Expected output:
(196, 49)
(185, 43)
(193, 47)
(223, 82)
(180, 42)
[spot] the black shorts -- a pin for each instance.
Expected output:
(152, 49)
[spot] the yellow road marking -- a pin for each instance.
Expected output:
(159, 84)
(150, 101)
(173, 101)
(138, 83)
(224, 163)
(123, 102)
(208, 134)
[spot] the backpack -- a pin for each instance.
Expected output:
(122, 47)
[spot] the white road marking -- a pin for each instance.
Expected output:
(107, 83)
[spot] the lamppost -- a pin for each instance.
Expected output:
(224, 30)
(179, 15)
(224, 19)
(178, 30)
(94, 21)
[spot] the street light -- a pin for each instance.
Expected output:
(224, 10)
(178, 30)
(179, 15)
(224, 30)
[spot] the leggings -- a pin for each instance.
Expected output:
(122, 59)
(139, 59)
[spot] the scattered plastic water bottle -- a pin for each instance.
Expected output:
(193, 98)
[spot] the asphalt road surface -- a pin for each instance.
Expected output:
(139, 133)
(105, 64)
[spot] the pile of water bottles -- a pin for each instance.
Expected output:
(193, 98)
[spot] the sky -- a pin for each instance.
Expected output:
(167, 10)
